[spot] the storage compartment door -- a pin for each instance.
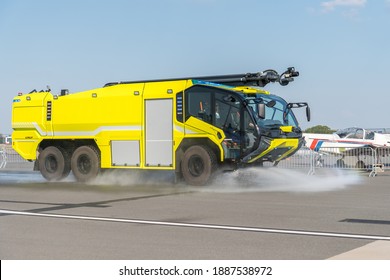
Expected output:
(159, 132)
(125, 153)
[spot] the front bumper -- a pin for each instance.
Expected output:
(274, 149)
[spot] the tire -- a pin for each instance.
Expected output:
(198, 165)
(85, 163)
(54, 163)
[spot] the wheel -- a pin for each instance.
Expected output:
(85, 163)
(198, 165)
(54, 163)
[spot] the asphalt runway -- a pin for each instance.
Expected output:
(267, 214)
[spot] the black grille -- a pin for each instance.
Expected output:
(48, 111)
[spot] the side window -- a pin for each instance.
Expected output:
(227, 112)
(198, 103)
(221, 113)
(214, 106)
(250, 133)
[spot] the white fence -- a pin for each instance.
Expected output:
(10, 158)
(3, 158)
(372, 160)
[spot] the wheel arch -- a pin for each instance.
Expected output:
(70, 145)
(189, 142)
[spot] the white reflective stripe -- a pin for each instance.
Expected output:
(34, 125)
(41, 132)
(190, 131)
(31, 125)
(179, 128)
(97, 131)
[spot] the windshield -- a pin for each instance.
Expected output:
(355, 133)
(276, 111)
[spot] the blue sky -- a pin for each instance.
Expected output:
(340, 47)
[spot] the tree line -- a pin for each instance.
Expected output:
(323, 129)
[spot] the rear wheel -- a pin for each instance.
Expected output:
(85, 163)
(54, 163)
(198, 165)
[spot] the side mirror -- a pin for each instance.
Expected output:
(308, 116)
(271, 104)
(261, 110)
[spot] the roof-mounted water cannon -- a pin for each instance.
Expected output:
(262, 78)
(259, 79)
(288, 76)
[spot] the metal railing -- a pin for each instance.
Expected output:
(371, 160)
(10, 158)
(3, 158)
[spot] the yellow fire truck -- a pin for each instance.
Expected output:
(192, 126)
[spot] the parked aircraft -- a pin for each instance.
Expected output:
(353, 141)
(348, 138)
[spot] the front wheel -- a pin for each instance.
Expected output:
(85, 163)
(198, 165)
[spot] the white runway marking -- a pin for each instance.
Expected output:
(203, 226)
